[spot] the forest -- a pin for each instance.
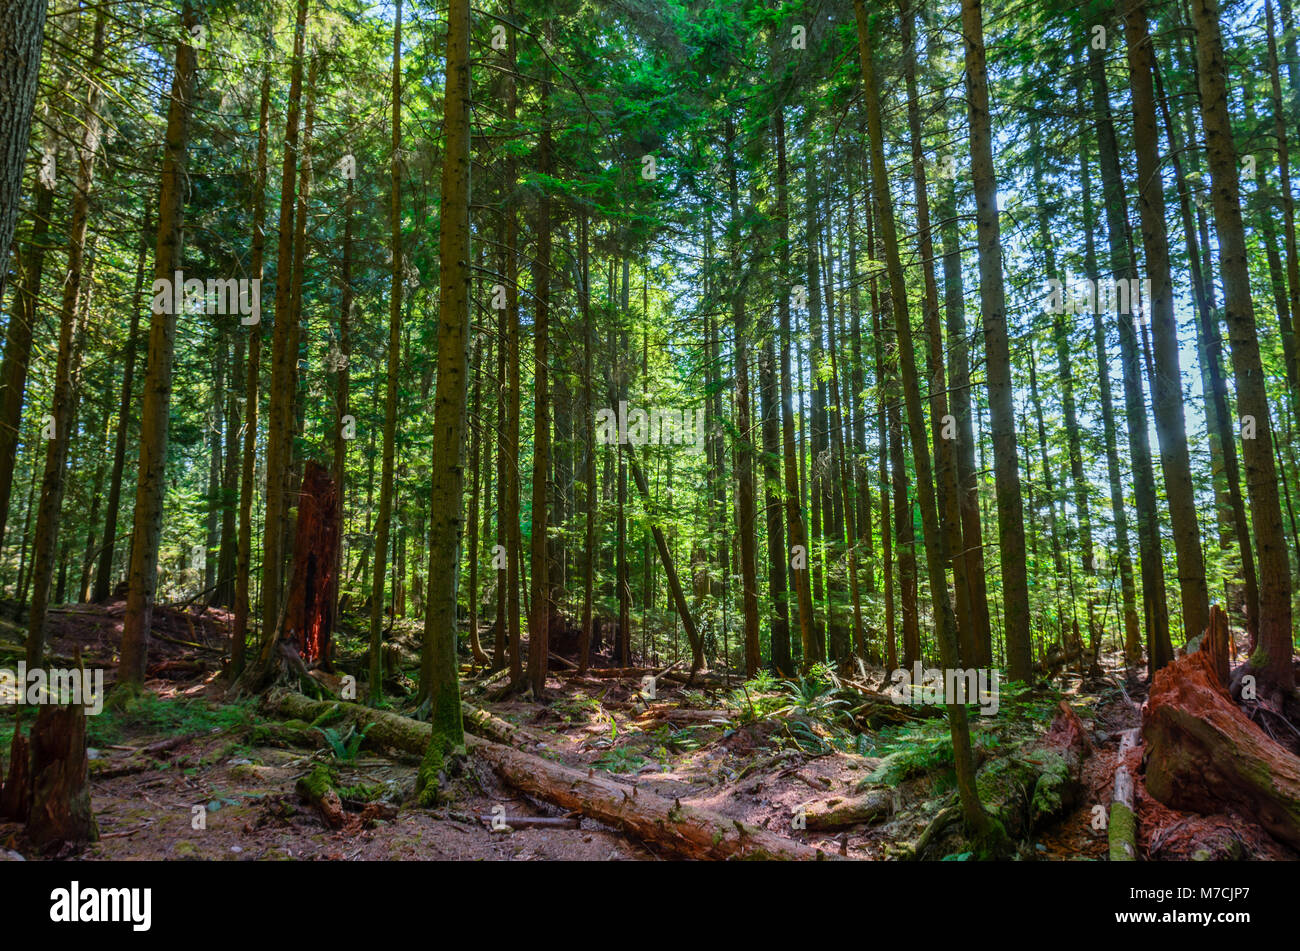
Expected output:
(649, 429)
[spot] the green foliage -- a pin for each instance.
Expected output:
(757, 698)
(578, 708)
(149, 714)
(911, 751)
(345, 746)
(361, 792)
(621, 760)
(814, 697)
(676, 741)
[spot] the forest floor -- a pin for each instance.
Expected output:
(186, 774)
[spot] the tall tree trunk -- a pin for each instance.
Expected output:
(104, 570)
(1284, 183)
(1011, 527)
(18, 340)
(794, 517)
(1128, 591)
(747, 516)
(252, 392)
(215, 446)
(878, 296)
(438, 667)
(142, 575)
(945, 442)
(589, 436)
(778, 590)
(817, 431)
(539, 602)
(343, 377)
(977, 649)
(1272, 657)
(1123, 269)
(383, 524)
(1065, 374)
(476, 473)
(978, 824)
(284, 356)
(510, 447)
(1166, 387)
(22, 27)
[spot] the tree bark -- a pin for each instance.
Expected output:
(383, 524)
(1272, 656)
(142, 576)
(798, 539)
(1011, 527)
(252, 392)
(71, 323)
(284, 357)
(438, 667)
(22, 27)
(1166, 387)
(1203, 754)
(977, 821)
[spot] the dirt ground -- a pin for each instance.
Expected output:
(192, 777)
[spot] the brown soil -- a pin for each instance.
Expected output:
(244, 789)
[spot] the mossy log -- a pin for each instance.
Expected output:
(840, 813)
(1205, 755)
(685, 830)
(1122, 828)
(1039, 783)
(317, 789)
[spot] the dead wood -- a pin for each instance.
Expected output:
(60, 786)
(683, 829)
(1205, 755)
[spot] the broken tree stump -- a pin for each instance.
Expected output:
(60, 778)
(1205, 755)
(309, 613)
(1216, 641)
(15, 795)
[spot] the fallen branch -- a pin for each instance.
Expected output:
(509, 823)
(1122, 828)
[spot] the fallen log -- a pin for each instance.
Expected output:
(510, 823)
(683, 829)
(1205, 755)
(611, 673)
(562, 660)
(1039, 783)
(841, 813)
(1122, 827)
(317, 790)
(686, 715)
(479, 721)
